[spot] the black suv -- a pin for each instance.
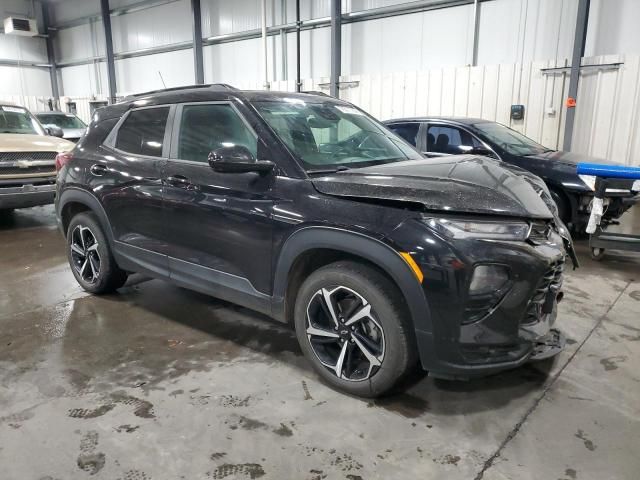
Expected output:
(306, 209)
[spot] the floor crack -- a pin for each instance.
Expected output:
(514, 431)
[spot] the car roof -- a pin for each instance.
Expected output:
(56, 112)
(460, 120)
(203, 93)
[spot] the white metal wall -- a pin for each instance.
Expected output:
(22, 81)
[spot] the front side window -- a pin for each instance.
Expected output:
(61, 120)
(327, 135)
(513, 142)
(207, 127)
(142, 132)
(450, 140)
(18, 120)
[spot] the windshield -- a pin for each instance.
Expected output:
(329, 136)
(62, 120)
(513, 142)
(18, 120)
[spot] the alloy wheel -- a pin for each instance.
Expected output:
(344, 334)
(84, 254)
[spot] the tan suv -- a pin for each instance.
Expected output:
(27, 159)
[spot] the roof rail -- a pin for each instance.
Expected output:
(316, 92)
(213, 86)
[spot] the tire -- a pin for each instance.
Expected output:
(385, 333)
(597, 253)
(90, 256)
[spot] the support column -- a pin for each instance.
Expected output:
(108, 40)
(198, 63)
(336, 47)
(578, 52)
(51, 58)
(476, 31)
(298, 25)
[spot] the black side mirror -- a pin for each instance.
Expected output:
(237, 159)
(54, 131)
(485, 152)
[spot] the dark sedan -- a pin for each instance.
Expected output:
(438, 136)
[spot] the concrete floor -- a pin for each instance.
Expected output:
(158, 382)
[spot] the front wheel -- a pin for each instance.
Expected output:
(353, 327)
(90, 256)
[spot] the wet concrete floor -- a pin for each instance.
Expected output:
(156, 382)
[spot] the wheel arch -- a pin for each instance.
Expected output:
(340, 244)
(73, 201)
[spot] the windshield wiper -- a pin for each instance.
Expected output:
(321, 171)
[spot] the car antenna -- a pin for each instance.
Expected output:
(162, 79)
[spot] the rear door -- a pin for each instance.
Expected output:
(219, 226)
(126, 178)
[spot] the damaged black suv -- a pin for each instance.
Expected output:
(306, 209)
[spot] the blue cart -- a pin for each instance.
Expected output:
(600, 240)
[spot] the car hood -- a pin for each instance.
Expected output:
(457, 184)
(19, 142)
(73, 132)
(569, 158)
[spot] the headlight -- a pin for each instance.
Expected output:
(636, 186)
(479, 229)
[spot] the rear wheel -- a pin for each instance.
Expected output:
(353, 327)
(90, 257)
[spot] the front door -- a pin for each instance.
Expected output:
(218, 224)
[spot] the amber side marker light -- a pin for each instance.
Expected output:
(414, 266)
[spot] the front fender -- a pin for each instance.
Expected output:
(371, 249)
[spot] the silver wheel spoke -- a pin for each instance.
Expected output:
(77, 249)
(93, 247)
(81, 234)
(94, 269)
(340, 361)
(321, 333)
(364, 312)
(84, 265)
(373, 360)
(326, 295)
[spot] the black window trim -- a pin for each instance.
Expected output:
(110, 141)
(177, 126)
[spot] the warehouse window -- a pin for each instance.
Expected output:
(207, 127)
(142, 132)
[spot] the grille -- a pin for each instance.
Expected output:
(552, 280)
(13, 156)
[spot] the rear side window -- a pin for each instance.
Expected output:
(408, 131)
(142, 132)
(207, 127)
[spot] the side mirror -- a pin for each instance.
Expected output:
(54, 131)
(485, 152)
(237, 159)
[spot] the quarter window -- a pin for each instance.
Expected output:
(142, 132)
(204, 128)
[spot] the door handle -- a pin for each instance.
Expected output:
(179, 181)
(98, 169)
